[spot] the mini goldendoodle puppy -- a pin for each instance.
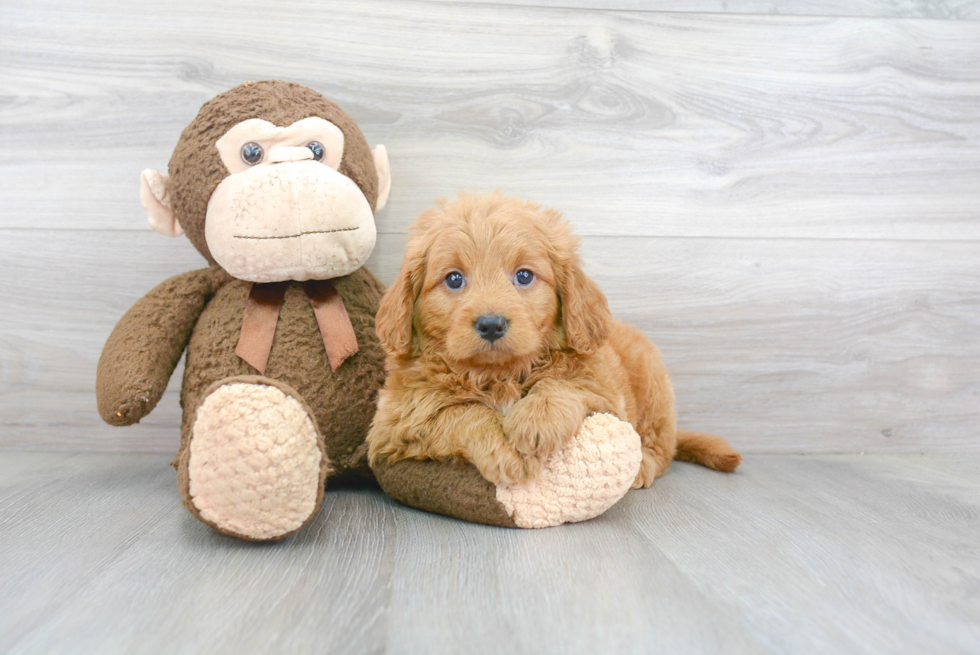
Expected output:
(499, 346)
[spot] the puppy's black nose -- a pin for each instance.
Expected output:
(491, 326)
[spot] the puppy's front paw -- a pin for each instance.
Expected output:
(540, 425)
(506, 466)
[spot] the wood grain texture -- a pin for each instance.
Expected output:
(818, 530)
(786, 204)
(814, 554)
(943, 10)
(147, 579)
(634, 123)
(780, 345)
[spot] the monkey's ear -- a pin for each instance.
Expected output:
(384, 175)
(155, 196)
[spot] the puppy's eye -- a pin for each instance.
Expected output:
(523, 277)
(455, 280)
(251, 153)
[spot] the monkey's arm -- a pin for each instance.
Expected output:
(414, 453)
(449, 488)
(587, 477)
(141, 353)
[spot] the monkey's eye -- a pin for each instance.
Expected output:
(523, 277)
(455, 280)
(252, 153)
(317, 149)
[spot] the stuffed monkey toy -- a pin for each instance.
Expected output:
(277, 188)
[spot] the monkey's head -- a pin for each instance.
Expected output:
(272, 182)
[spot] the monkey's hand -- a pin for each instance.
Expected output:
(143, 350)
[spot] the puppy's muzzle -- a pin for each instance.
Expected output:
(491, 326)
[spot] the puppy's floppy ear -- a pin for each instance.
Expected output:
(395, 314)
(584, 314)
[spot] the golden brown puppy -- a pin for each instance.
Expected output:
(499, 346)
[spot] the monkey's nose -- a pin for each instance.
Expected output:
(288, 153)
(491, 326)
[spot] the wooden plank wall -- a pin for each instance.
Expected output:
(784, 196)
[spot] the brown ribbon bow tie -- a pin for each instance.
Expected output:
(262, 314)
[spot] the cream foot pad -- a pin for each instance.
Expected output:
(583, 480)
(255, 461)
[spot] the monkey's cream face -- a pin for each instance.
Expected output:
(285, 212)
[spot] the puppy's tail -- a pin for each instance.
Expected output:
(706, 449)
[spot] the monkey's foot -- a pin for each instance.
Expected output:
(256, 463)
(580, 482)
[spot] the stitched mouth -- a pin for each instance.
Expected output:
(301, 234)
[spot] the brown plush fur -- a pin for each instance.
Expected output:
(196, 168)
(451, 488)
(342, 402)
(201, 311)
(143, 350)
(181, 461)
(508, 405)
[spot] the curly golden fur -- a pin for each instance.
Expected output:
(507, 404)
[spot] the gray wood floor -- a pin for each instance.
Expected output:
(793, 554)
